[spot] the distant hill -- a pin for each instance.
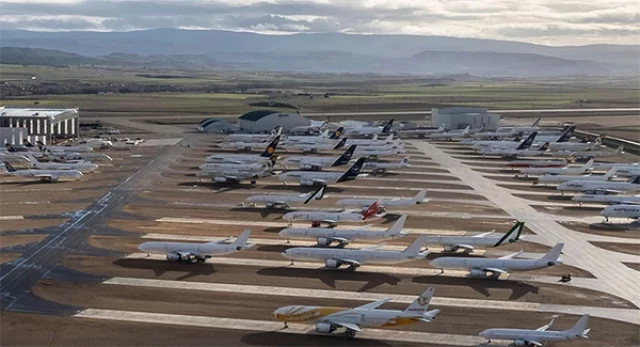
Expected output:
(324, 52)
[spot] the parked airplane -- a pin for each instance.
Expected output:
(376, 151)
(66, 157)
(284, 200)
(80, 149)
(234, 176)
(330, 319)
(371, 142)
(327, 236)
(514, 153)
(255, 166)
(450, 135)
(277, 131)
(370, 131)
(381, 167)
(196, 252)
(563, 136)
(421, 133)
(528, 163)
(554, 179)
(607, 166)
(319, 163)
(332, 218)
(468, 243)
(333, 258)
(524, 145)
(480, 267)
(309, 178)
(43, 175)
(576, 146)
(324, 137)
(526, 337)
(419, 198)
(559, 171)
(507, 132)
(590, 154)
(628, 171)
(601, 186)
(630, 211)
(245, 158)
(315, 147)
(607, 199)
(83, 167)
(242, 146)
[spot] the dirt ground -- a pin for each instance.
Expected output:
(15, 240)
(619, 247)
(6, 257)
(26, 224)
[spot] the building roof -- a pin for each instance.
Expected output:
(52, 113)
(454, 110)
(257, 115)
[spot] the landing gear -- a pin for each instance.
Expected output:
(353, 267)
(350, 333)
(286, 326)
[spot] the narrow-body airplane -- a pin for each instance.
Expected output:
(310, 178)
(332, 218)
(44, 175)
(285, 200)
(537, 337)
(419, 198)
(468, 243)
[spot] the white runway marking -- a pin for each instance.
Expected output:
(7, 218)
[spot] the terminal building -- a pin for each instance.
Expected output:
(38, 124)
(263, 121)
(461, 117)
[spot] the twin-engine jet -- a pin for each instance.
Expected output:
(537, 337)
(309, 178)
(44, 175)
(320, 163)
(468, 243)
(285, 200)
(419, 198)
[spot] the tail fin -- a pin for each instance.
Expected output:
(419, 198)
(466, 130)
(512, 235)
(635, 180)
(566, 134)
(610, 173)
(389, 138)
(341, 143)
(536, 122)
(620, 149)
(528, 141)
(336, 134)
(324, 133)
(415, 247)
(588, 165)
(10, 147)
(371, 211)
(268, 152)
(32, 159)
(26, 143)
(241, 241)
(551, 258)
(353, 171)
(544, 147)
(387, 127)
(9, 167)
(345, 157)
(318, 194)
(442, 127)
(421, 304)
(396, 228)
(580, 328)
(276, 131)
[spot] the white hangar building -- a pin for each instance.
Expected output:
(461, 117)
(263, 121)
(38, 124)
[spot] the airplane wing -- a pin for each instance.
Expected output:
(511, 256)
(350, 326)
(348, 261)
(485, 234)
(340, 239)
(547, 326)
(469, 247)
(534, 343)
(494, 270)
(372, 248)
(319, 181)
(374, 305)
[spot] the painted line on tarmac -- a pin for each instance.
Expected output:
(272, 326)
(35, 189)
(7, 218)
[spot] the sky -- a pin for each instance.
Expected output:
(550, 22)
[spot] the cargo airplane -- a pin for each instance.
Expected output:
(284, 200)
(537, 338)
(44, 175)
(196, 252)
(309, 178)
(468, 243)
(419, 198)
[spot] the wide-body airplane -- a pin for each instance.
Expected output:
(419, 198)
(332, 218)
(554, 179)
(590, 154)
(319, 163)
(537, 337)
(420, 133)
(196, 252)
(256, 137)
(44, 175)
(575, 146)
(315, 147)
(255, 166)
(450, 135)
(333, 258)
(529, 163)
(83, 167)
(324, 137)
(370, 130)
(310, 178)
(601, 186)
(378, 151)
(468, 243)
(330, 319)
(327, 236)
(480, 267)
(563, 136)
(80, 149)
(370, 142)
(629, 211)
(607, 199)
(234, 175)
(376, 166)
(242, 146)
(559, 171)
(284, 200)
(245, 158)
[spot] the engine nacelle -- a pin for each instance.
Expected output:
(173, 257)
(323, 241)
(331, 264)
(520, 343)
(325, 328)
(450, 248)
(220, 179)
(478, 273)
(306, 183)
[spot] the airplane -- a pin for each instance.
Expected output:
(245, 158)
(563, 136)
(525, 144)
(630, 211)
(559, 171)
(370, 130)
(514, 153)
(333, 258)
(66, 157)
(467, 243)
(327, 236)
(256, 166)
(324, 137)
(419, 198)
(318, 163)
(480, 267)
(241, 146)
(376, 151)
(628, 171)
(309, 178)
(576, 146)
(44, 175)
(566, 178)
(83, 167)
(234, 176)
(332, 218)
(450, 135)
(330, 319)
(381, 167)
(600, 186)
(526, 337)
(608, 166)
(284, 200)
(277, 131)
(506, 132)
(528, 163)
(370, 142)
(81, 149)
(315, 147)
(590, 154)
(314, 127)
(607, 199)
(421, 133)
(196, 252)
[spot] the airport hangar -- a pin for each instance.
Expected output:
(461, 117)
(262, 121)
(217, 125)
(38, 124)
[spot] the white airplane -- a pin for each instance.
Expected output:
(234, 176)
(601, 186)
(333, 258)
(324, 137)
(196, 252)
(327, 236)
(507, 132)
(310, 178)
(590, 154)
(370, 142)
(377, 151)
(256, 166)
(529, 163)
(537, 338)
(630, 211)
(554, 179)
(383, 203)
(607, 199)
(256, 137)
(245, 158)
(559, 171)
(576, 146)
(330, 319)
(564, 135)
(44, 175)
(58, 149)
(468, 243)
(319, 163)
(480, 267)
(66, 157)
(242, 146)
(607, 166)
(421, 133)
(332, 218)
(450, 135)
(628, 171)
(315, 127)
(284, 200)
(83, 167)
(376, 166)
(514, 153)
(370, 130)
(315, 147)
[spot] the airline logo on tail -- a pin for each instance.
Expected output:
(387, 127)
(336, 134)
(371, 211)
(513, 235)
(9, 167)
(341, 143)
(346, 156)
(271, 148)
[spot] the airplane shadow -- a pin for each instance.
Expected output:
(281, 338)
(274, 229)
(481, 285)
(329, 277)
(159, 267)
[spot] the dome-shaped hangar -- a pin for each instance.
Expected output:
(261, 121)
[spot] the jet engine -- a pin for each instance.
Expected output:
(478, 273)
(173, 257)
(520, 343)
(306, 183)
(309, 167)
(325, 328)
(331, 263)
(450, 248)
(220, 179)
(51, 179)
(323, 241)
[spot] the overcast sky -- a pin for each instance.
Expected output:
(554, 22)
